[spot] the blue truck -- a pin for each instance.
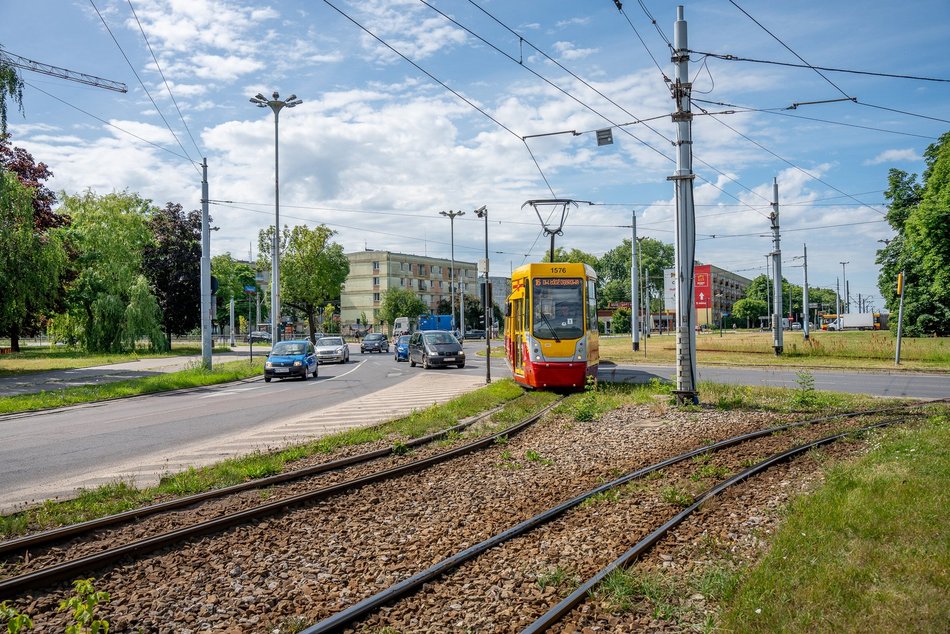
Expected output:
(435, 322)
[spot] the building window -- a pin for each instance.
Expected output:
(375, 297)
(376, 265)
(436, 270)
(375, 281)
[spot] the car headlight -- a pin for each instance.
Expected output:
(268, 365)
(297, 364)
(340, 350)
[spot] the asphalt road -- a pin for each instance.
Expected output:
(50, 454)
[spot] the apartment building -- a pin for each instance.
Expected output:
(372, 273)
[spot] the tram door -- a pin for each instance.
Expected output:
(518, 329)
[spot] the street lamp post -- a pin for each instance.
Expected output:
(275, 104)
(482, 212)
(451, 216)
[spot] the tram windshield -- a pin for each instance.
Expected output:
(558, 308)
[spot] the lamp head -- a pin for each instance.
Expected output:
(276, 95)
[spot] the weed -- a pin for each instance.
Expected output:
(556, 577)
(83, 607)
(533, 456)
(805, 395)
(622, 588)
(294, 624)
(710, 471)
(610, 495)
(673, 495)
(718, 583)
(15, 621)
(502, 440)
(400, 448)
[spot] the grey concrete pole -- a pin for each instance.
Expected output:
(634, 285)
(275, 258)
(685, 220)
(777, 333)
(805, 327)
(206, 343)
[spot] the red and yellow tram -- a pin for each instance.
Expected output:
(551, 337)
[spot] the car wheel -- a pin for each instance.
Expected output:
(316, 370)
(266, 379)
(304, 375)
(412, 363)
(425, 362)
(461, 365)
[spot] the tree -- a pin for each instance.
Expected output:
(620, 323)
(109, 234)
(47, 295)
(171, 262)
(312, 271)
(11, 86)
(143, 317)
(613, 271)
(750, 309)
(31, 262)
(920, 214)
(400, 302)
(233, 276)
(570, 255)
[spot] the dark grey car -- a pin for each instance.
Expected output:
(435, 348)
(374, 342)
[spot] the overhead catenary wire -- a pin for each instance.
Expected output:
(444, 85)
(111, 125)
(162, 73)
(144, 87)
(789, 49)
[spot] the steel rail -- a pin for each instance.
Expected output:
(348, 616)
(14, 585)
(556, 613)
(81, 528)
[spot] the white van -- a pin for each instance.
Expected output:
(400, 326)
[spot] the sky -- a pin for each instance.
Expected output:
(410, 108)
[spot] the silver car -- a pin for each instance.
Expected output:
(332, 350)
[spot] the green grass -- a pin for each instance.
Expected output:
(866, 350)
(869, 552)
(44, 358)
(121, 496)
(193, 377)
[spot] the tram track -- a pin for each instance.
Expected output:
(272, 573)
(138, 546)
(359, 617)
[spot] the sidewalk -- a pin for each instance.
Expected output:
(59, 379)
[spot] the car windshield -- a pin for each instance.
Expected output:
(404, 339)
(330, 341)
(374, 337)
(285, 348)
(440, 337)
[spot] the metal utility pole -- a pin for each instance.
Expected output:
(647, 319)
(231, 322)
(275, 104)
(838, 300)
(805, 290)
(900, 317)
(451, 216)
(205, 270)
(634, 286)
(685, 219)
(844, 287)
(768, 289)
(482, 212)
(777, 333)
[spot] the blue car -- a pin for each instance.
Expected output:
(402, 348)
(291, 358)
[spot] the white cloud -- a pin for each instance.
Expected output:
(894, 156)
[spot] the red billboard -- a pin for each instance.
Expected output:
(702, 286)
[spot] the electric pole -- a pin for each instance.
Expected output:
(777, 272)
(634, 286)
(205, 270)
(685, 219)
(805, 290)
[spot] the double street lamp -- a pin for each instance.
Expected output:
(482, 212)
(451, 216)
(276, 104)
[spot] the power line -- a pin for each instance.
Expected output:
(160, 72)
(735, 58)
(63, 73)
(647, 48)
(157, 109)
(788, 48)
(112, 125)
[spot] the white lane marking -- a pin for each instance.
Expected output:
(340, 376)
